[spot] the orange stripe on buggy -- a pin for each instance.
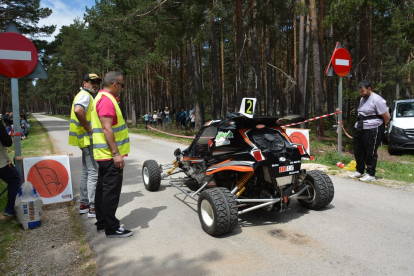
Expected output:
(228, 160)
(242, 132)
(232, 168)
(190, 158)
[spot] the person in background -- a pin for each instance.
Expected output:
(146, 120)
(24, 121)
(372, 118)
(8, 172)
(192, 121)
(111, 145)
(167, 117)
(149, 118)
(183, 116)
(177, 119)
(23, 115)
(154, 118)
(159, 117)
(23, 131)
(80, 135)
(8, 118)
(189, 116)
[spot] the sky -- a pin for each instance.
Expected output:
(64, 12)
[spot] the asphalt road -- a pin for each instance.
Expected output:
(366, 230)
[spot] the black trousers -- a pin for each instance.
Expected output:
(366, 144)
(108, 191)
(10, 175)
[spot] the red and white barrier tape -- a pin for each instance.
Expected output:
(346, 133)
(312, 119)
(180, 136)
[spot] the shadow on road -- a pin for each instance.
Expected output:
(141, 217)
(260, 217)
(173, 265)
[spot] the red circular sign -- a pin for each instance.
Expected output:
(49, 177)
(341, 62)
(18, 55)
(298, 138)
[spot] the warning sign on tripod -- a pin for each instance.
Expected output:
(50, 176)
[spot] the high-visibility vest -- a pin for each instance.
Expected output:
(101, 149)
(78, 136)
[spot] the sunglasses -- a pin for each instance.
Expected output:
(94, 82)
(121, 83)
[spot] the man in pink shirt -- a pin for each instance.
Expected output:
(111, 145)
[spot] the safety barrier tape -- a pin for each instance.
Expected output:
(312, 119)
(346, 133)
(180, 136)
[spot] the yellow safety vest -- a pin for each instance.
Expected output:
(101, 149)
(78, 136)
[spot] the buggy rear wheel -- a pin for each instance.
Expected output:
(151, 175)
(321, 190)
(217, 211)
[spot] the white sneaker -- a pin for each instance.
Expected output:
(356, 174)
(367, 177)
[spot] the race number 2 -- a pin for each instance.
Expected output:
(249, 106)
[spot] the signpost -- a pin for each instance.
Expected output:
(340, 66)
(18, 58)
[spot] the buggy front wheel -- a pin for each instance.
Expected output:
(217, 211)
(151, 175)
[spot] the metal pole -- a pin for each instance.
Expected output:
(16, 125)
(340, 117)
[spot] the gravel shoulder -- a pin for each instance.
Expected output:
(58, 247)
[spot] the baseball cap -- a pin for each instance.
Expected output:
(91, 76)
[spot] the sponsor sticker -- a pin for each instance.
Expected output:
(222, 138)
(286, 168)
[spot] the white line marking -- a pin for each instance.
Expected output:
(343, 62)
(15, 55)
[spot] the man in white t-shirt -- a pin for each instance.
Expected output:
(80, 134)
(369, 129)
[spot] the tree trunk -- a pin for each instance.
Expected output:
(316, 68)
(365, 43)
(240, 43)
(181, 77)
(133, 101)
(296, 98)
(216, 99)
(195, 84)
(300, 101)
(224, 94)
(254, 59)
(269, 109)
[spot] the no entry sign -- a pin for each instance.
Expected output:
(18, 55)
(341, 62)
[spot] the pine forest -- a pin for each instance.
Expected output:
(211, 54)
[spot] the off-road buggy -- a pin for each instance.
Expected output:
(240, 164)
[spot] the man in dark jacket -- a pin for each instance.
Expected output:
(8, 172)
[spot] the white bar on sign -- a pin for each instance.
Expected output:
(343, 62)
(15, 55)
